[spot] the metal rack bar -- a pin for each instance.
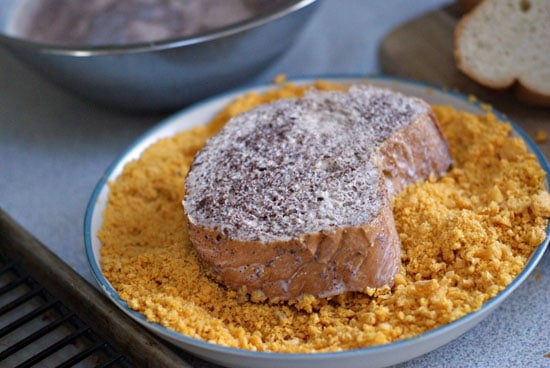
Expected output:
(34, 336)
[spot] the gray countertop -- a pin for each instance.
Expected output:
(55, 147)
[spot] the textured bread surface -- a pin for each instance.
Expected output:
(504, 43)
(294, 197)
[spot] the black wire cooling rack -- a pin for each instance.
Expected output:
(36, 328)
(51, 317)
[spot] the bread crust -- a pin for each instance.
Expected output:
(466, 6)
(414, 153)
(531, 96)
(322, 264)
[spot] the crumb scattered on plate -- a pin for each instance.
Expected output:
(464, 239)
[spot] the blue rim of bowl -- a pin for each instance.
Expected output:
(532, 262)
(165, 44)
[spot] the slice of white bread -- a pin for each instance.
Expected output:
(505, 43)
(294, 197)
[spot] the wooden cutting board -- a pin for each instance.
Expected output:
(422, 49)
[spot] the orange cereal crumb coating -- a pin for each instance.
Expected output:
(541, 136)
(464, 238)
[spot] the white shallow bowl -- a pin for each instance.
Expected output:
(377, 356)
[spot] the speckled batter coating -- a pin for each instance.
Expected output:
(298, 166)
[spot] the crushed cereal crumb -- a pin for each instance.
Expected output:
(541, 136)
(464, 238)
(279, 79)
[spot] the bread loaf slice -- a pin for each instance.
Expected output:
(294, 197)
(505, 43)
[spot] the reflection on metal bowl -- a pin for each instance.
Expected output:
(166, 74)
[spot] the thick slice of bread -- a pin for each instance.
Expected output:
(294, 197)
(506, 42)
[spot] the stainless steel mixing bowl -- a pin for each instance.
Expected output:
(169, 74)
